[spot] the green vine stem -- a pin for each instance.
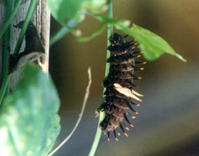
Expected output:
(5, 32)
(10, 18)
(4, 87)
(25, 25)
(109, 33)
(6, 52)
(97, 136)
(63, 31)
(6, 40)
(102, 114)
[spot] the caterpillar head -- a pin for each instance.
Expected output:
(117, 39)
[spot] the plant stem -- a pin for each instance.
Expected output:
(109, 33)
(6, 51)
(10, 18)
(6, 41)
(102, 114)
(63, 31)
(97, 136)
(4, 88)
(25, 25)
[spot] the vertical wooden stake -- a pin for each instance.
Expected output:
(41, 20)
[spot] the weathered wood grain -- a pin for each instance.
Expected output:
(41, 20)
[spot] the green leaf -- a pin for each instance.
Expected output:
(93, 35)
(104, 21)
(152, 45)
(63, 31)
(29, 123)
(122, 23)
(62, 10)
(95, 5)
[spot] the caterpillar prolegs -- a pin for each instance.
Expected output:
(120, 96)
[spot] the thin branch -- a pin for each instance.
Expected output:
(102, 114)
(4, 88)
(97, 135)
(63, 31)
(80, 114)
(6, 42)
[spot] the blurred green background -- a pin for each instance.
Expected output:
(168, 123)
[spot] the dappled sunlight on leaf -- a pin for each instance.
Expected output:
(29, 123)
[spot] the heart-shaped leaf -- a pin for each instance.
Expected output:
(152, 45)
(29, 123)
(62, 10)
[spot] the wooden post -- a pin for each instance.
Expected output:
(41, 19)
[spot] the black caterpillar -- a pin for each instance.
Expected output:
(120, 94)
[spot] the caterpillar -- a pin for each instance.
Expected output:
(120, 95)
